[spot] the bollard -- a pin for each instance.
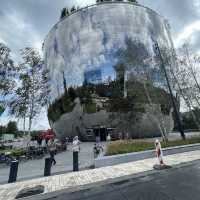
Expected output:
(13, 171)
(47, 167)
(75, 161)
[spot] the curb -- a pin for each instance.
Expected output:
(135, 156)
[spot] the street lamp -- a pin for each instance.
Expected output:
(177, 116)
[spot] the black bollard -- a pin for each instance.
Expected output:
(75, 161)
(47, 167)
(13, 171)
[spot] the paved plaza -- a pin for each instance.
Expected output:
(76, 180)
(35, 168)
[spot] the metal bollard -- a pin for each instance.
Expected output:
(75, 161)
(47, 167)
(13, 171)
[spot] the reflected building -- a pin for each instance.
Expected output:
(93, 77)
(104, 73)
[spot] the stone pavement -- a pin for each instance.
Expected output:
(77, 179)
(64, 164)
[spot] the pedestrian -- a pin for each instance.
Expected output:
(108, 138)
(52, 150)
(159, 153)
(67, 142)
(97, 149)
(76, 144)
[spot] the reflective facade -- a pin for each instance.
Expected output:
(104, 76)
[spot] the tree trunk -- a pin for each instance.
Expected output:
(24, 125)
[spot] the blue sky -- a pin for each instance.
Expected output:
(26, 23)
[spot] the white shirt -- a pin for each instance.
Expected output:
(75, 146)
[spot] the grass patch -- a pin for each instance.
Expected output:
(14, 152)
(89, 108)
(129, 146)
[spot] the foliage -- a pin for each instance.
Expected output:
(121, 105)
(64, 12)
(12, 128)
(129, 146)
(32, 92)
(2, 109)
(133, 1)
(188, 120)
(7, 70)
(35, 134)
(2, 130)
(15, 152)
(73, 9)
(62, 105)
(90, 108)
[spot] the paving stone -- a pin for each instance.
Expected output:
(64, 181)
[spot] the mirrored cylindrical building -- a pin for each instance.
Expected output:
(104, 76)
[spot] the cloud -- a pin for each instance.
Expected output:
(187, 33)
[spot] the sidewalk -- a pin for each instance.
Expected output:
(77, 179)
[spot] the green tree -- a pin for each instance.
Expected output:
(7, 71)
(64, 13)
(2, 130)
(12, 128)
(1, 109)
(72, 93)
(33, 89)
(133, 1)
(73, 9)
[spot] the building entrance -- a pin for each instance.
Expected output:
(101, 133)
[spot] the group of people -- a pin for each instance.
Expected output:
(97, 149)
(52, 148)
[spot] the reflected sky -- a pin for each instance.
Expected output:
(89, 39)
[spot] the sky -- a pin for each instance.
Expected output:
(26, 23)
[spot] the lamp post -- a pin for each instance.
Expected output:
(177, 116)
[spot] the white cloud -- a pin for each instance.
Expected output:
(39, 123)
(187, 33)
(2, 41)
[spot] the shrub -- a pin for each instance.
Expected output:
(129, 146)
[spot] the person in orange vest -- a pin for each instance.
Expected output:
(159, 153)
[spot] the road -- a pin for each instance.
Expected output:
(180, 183)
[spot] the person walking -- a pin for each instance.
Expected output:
(52, 150)
(108, 139)
(76, 144)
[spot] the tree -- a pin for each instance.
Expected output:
(133, 1)
(2, 109)
(64, 13)
(99, 1)
(72, 93)
(2, 130)
(33, 89)
(7, 71)
(73, 9)
(12, 128)
(136, 59)
(20, 102)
